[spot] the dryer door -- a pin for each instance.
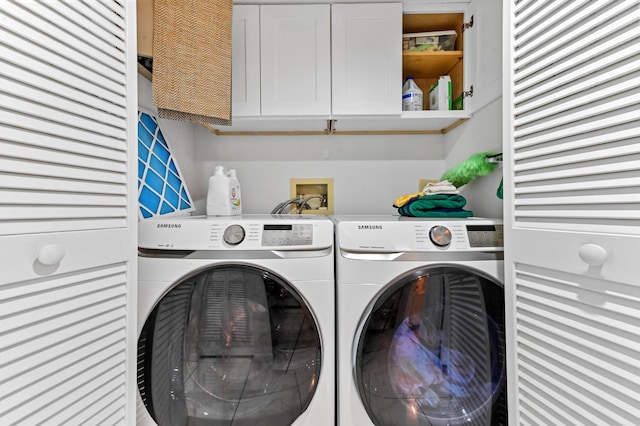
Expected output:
(432, 350)
(232, 345)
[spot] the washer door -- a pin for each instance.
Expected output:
(432, 351)
(230, 345)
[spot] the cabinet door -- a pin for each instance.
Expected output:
(366, 58)
(246, 61)
(483, 53)
(295, 59)
(572, 216)
(68, 219)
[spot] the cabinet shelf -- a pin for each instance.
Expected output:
(429, 64)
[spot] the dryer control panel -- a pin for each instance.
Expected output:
(392, 234)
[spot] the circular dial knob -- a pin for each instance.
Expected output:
(440, 236)
(233, 235)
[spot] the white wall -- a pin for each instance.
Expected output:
(369, 172)
(483, 132)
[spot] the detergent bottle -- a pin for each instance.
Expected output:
(412, 98)
(234, 193)
(219, 194)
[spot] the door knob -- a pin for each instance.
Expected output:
(592, 254)
(51, 254)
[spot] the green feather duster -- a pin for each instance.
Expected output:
(463, 173)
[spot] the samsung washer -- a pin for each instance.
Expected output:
(236, 321)
(421, 337)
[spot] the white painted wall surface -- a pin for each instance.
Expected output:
(369, 172)
(483, 132)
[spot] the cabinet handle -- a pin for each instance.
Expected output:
(51, 254)
(592, 254)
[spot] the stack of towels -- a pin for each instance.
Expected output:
(437, 199)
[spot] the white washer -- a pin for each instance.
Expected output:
(420, 323)
(236, 321)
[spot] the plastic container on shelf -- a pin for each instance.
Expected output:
(219, 194)
(235, 193)
(412, 96)
(440, 94)
(429, 41)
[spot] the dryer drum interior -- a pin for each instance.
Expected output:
(230, 345)
(432, 351)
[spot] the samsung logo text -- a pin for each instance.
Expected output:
(369, 226)
(169, 225)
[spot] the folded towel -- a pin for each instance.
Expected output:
(404, 199)
(404, 211)
(442, 187)
(434, 201)
(435, 205)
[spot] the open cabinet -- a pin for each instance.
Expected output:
(368, 66)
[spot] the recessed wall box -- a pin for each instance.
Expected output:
(318, 193)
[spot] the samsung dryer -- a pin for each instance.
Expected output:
(236, 321)
(421, 337)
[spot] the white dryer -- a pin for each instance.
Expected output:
(420, 321)
(236, 321)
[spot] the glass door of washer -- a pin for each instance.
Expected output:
(432, 350)
(232, 345)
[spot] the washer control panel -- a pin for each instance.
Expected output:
(287, 235)
(247, 232)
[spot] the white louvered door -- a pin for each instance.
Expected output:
(572, 194)
(68, 221)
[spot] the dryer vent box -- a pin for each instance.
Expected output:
(318, 192)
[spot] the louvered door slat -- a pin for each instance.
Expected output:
(42, 110)
(41, 126)
(539, 30)
(572, 162)
(60, 78)
(81, 38)
(68, 213)
(102, 76)
(83, 115)
(105, 14)
(547, 42)
(42, 153)
(27, 138)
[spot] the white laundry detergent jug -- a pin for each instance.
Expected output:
(412, 99)
(219, 194)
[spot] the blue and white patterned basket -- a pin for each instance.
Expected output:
(161, 189)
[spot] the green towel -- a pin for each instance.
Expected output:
(436, 213)
(436, 205)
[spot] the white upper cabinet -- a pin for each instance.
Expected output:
(366, 59)
(246, 61)
(483, 54)
(295, 60)
(345, 62)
